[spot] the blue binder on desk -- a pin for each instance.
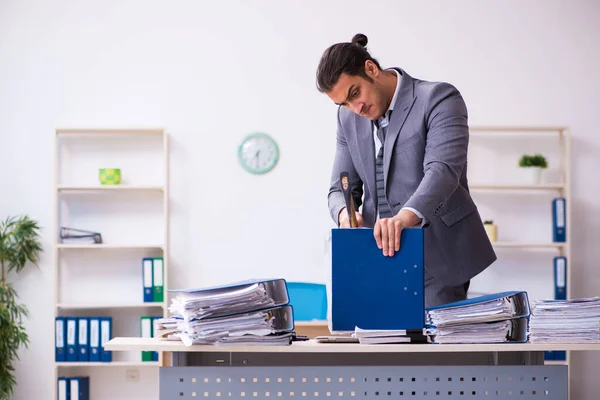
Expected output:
(371, 291)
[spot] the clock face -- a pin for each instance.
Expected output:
(258, 153)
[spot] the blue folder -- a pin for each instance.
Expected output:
(372, 291)
(559, 222)
(60, 353)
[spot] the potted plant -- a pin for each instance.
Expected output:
(19, 243)
(534, 164)
(491, 230)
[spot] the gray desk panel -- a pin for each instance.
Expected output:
(363, 381)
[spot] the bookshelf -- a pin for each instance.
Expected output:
(96, 280)
(522, 209)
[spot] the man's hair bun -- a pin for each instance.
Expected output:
(360, 39)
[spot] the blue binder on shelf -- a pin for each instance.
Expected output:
(60, 330)
(71, 339)
(559, 223)
(560, 278)
(154, 353)
(105, 336)
(79, 388)
(83, 339)
(95, 348)
(62, 389)
(560, 293)
(371, 291)
(147, 280)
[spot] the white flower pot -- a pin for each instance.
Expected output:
(532, 175)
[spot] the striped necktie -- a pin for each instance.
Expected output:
(383, 206)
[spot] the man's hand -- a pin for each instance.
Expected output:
(387, 230)
(344, 220)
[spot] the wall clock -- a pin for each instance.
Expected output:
(258, 153)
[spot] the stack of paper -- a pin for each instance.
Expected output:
(495, 318)
(576, 320)
(250, 312)
(371, 336)
(271, 325)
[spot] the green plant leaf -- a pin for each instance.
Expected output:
(19, 244)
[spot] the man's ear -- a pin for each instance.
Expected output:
(371, 69)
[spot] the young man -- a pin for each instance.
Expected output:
(404, 144)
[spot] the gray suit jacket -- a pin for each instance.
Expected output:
(425, 167)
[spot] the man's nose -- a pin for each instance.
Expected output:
(357, 108)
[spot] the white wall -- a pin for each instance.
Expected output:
(212, 72)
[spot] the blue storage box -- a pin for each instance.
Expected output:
(309, 301)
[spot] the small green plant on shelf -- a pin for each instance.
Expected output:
(19, 243)
(535, 160)
(488, 222)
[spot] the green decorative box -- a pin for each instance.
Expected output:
(110, 176)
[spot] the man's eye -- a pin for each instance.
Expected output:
(355, 93)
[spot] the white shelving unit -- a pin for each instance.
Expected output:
(106, 279)
(521, 209)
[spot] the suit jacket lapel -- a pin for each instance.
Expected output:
(404, 103)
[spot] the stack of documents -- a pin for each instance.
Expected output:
(250, 312)
(556, 321)
(495, 318)
(372, 336)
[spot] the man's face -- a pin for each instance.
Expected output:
(365, 98)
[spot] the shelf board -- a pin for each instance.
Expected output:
(88, 131)
(531, 245)
(112, 364)
(512, 130)
(109, 246)
(554, 362)
(99, 306)
(516, 187)
(91, 188)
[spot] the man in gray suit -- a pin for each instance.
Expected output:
(404, 143)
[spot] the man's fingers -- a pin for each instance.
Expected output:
(398, 233)
(391, 237)
(377, 233)
(384, 236)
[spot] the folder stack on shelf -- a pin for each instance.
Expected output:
(250, 312)
(565, 321)
(495, 318)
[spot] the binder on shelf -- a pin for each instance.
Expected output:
(560, 278)
(78, 236)
(62, 388)
(154, 331)
(105, 336)
(158, 279)
(60, 338)
(368, 289)
(147, 280)
(146, 332)
(71, 339)
(79, 388)
(559, 223)
(83, 340)
(95, 348)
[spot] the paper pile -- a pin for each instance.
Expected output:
(557, 321)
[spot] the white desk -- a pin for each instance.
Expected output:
(311, 370)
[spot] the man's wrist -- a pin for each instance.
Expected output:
(408, 219)
(341, 215)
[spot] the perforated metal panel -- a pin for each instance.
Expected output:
(372, 382)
